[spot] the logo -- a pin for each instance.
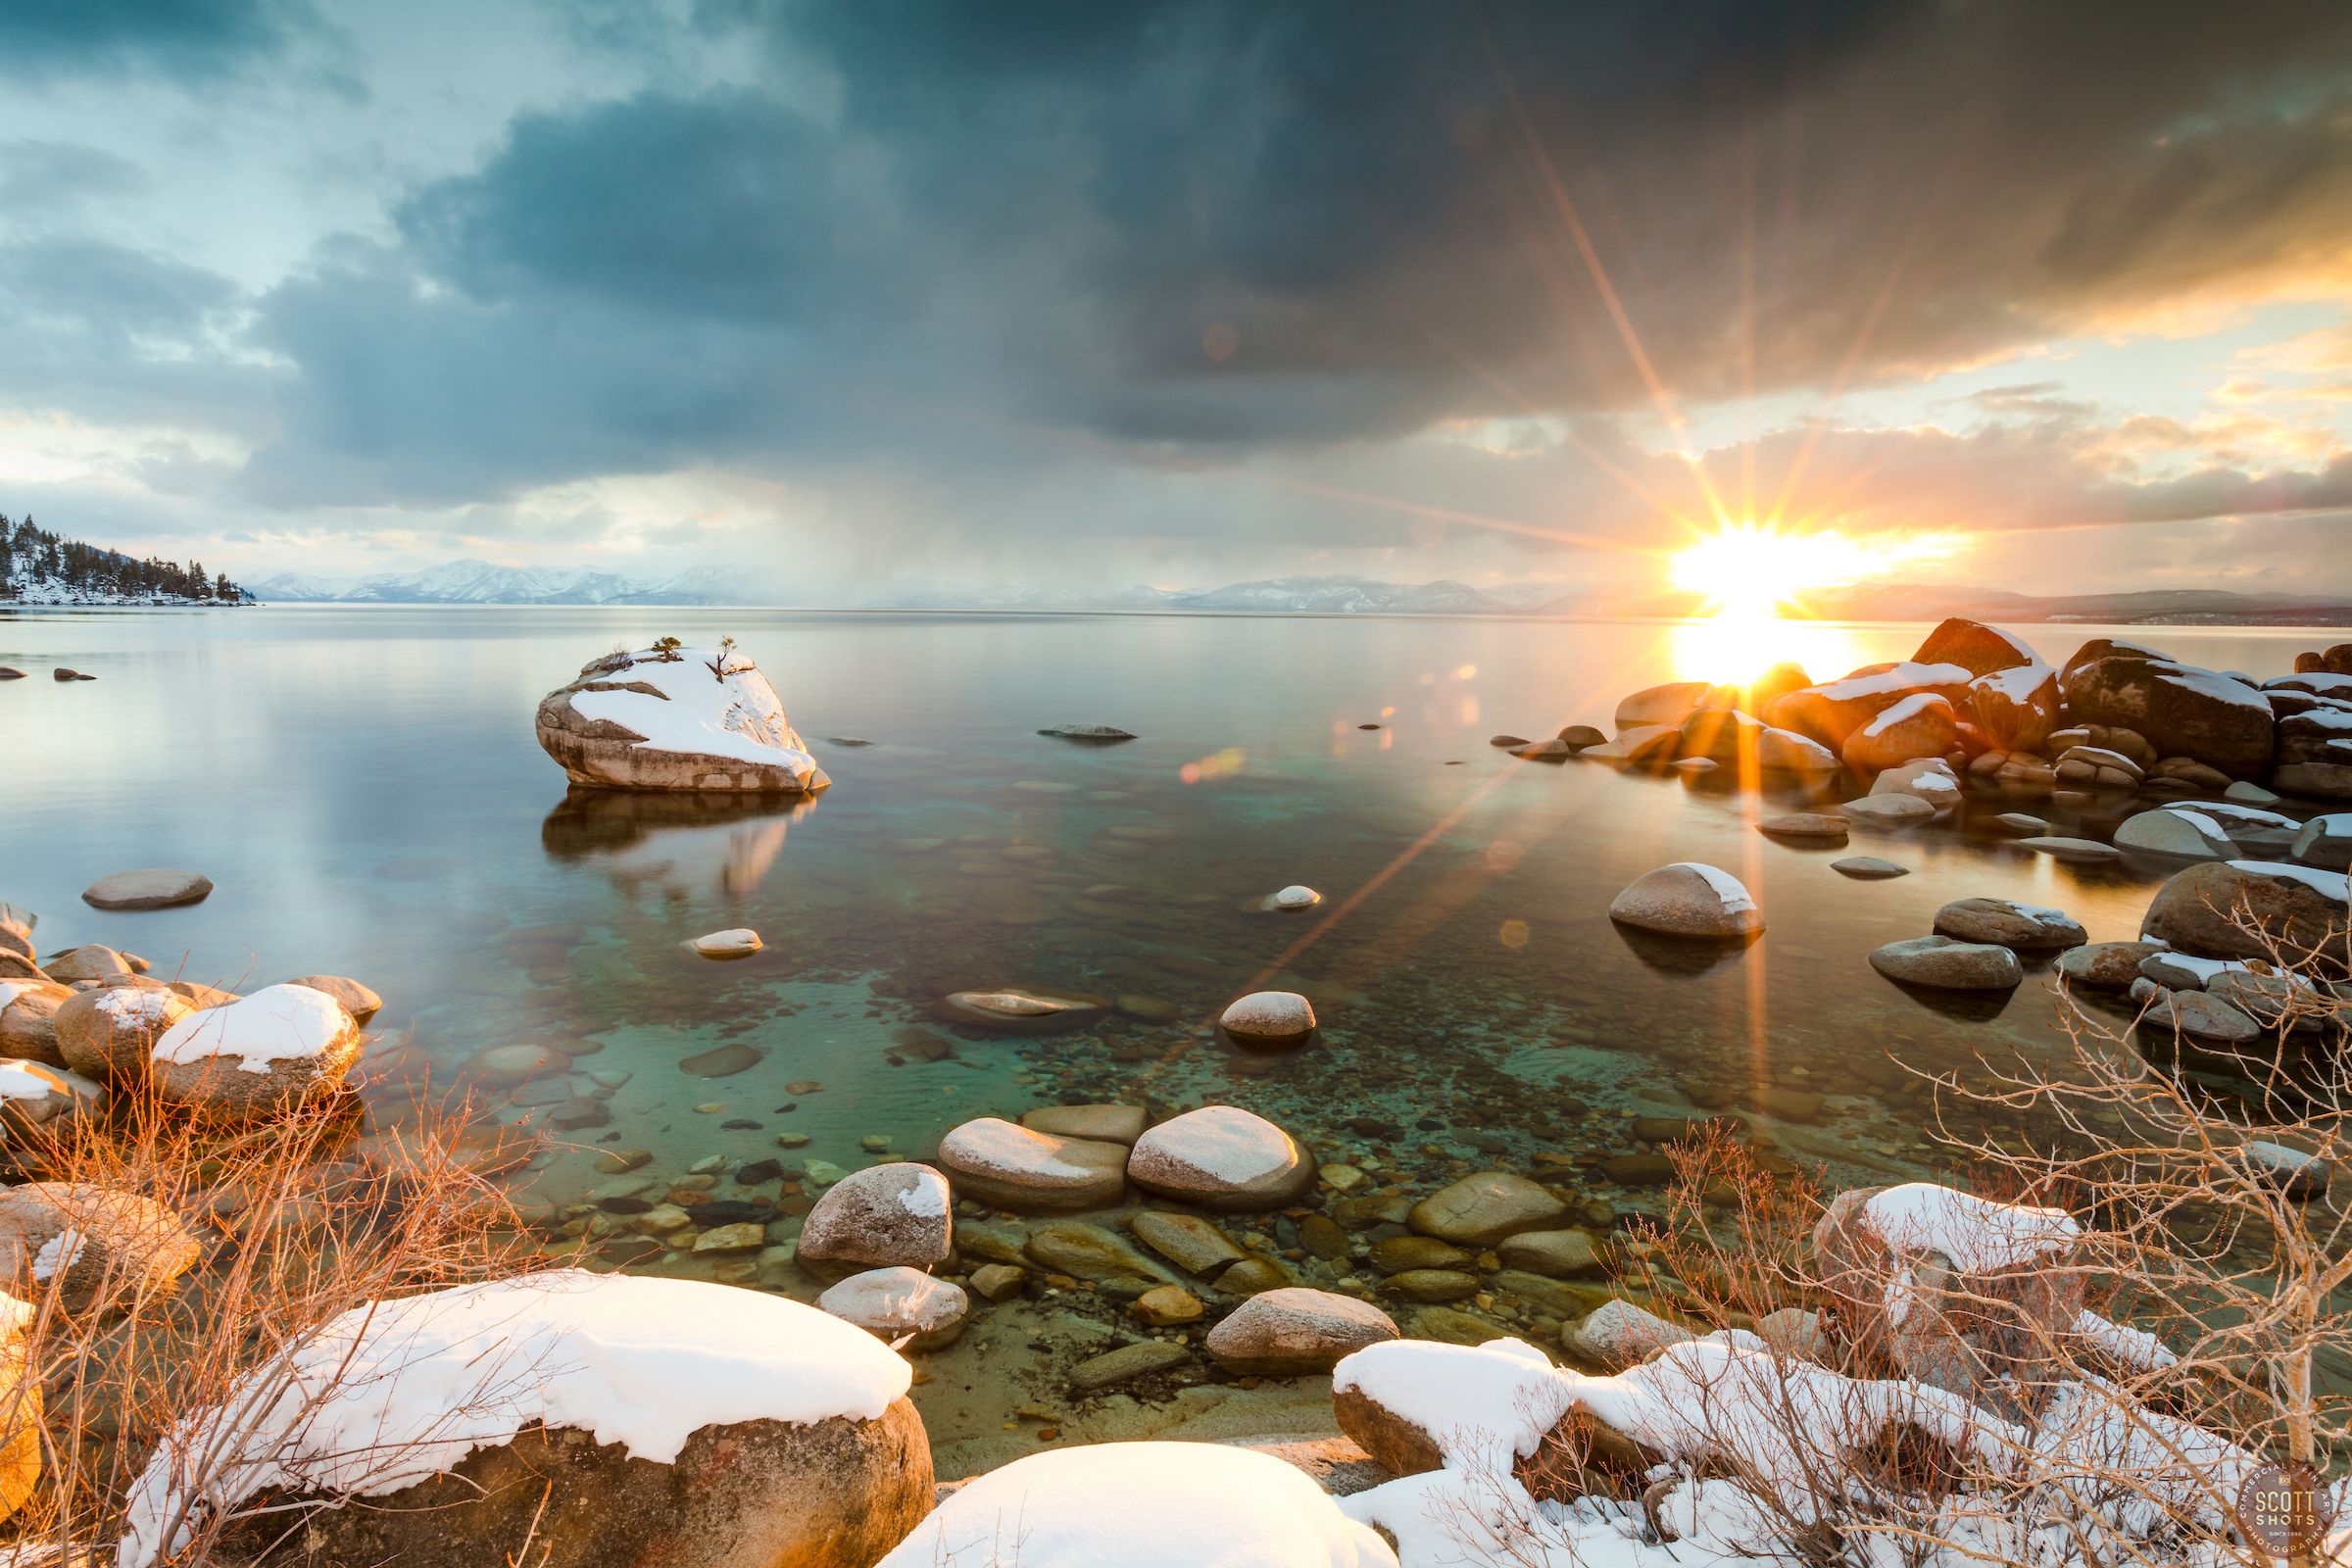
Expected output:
(2279, 1509)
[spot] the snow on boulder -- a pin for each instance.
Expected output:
(38, 1104)
(1921, 724)
(2180, 831)
(2243, 908)
(602, 1418)
(2181, 711)
(1222, 1157)
(1012, 1167)
(676, 718)
(20, 1435)
(1960, 1292)
(877, 1218)
(2005, 922)
(1689, 899)
(258, 1057)
(2014, 709)
(107, 1033)
(96, 1246)
(1142, 1505)
(29, 1019)
(1296, 896)
(1835, 709)
(1926, 778)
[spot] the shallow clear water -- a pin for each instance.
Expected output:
(364, 787)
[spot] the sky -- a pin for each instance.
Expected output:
(853, 300)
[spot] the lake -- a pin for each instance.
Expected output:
(365, 789)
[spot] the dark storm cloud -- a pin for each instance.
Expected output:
(1222, 228)
(187, 38)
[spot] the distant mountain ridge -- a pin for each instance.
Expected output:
(481, 582)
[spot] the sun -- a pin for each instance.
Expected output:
(1755, 570)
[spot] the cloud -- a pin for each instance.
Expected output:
(183, 38)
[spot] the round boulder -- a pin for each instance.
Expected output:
(907, 1307)
(1689, 899)
(157, 888)
(2180, 831)
(1012, 1167)
(258, 1057)
(1294, 897)
(1295, 1332)
(1269, 1019)
(2181, 709)
(2240, 908)
(108, 1033)
(2008, 923)
(29, 1019)
(2106, 965)
(1222, 1157)
(1944, 965)
(1921, 724)
(357, 1000)
(96, 1246)
(885, 1215)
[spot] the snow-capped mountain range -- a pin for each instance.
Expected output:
(480, 582)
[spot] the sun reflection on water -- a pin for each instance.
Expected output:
(1734, 648)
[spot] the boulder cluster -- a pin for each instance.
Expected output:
(2116, 715)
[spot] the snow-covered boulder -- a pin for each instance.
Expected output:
(2325, 842)
(1142, 1505)
(94, 1245)
(258, 1057)
(1012, 1167)
(885, 1215)
(1975, 647)
(29, 1019)
(2315, 754)
(2182, 711)
(1298, 896)
(602, 1418)
(2014, 709)
(1957, 1290)
(1832, 712)
(2180, 831)
(1222, 1157)
(1927, 778)
(106, 1034)
(1689, 899)
(684, 718)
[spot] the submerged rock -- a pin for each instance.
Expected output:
(1483, 1208)
(1888, 810)
(1024, 1010)
(159, 888)
(1012, 1167)
(2059, 846)
(1222, 1157)
(1689, 899)
(1088, 732)
(1947, 965)
(1269, 1019)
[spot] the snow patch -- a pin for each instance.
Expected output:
(1979, 1234)
(700, 713)
(992, 1144)
(2330, 885)
(1728, 889)
(277, 1023)
(1223, 1142)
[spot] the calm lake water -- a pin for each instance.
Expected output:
(364, 787)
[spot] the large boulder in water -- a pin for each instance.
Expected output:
(677, 718)
(1975, 647)
(2246, 909)
(1832, 712)
(2315, 754)
(2014, 709)
(1689, 899)
(600, 1418)
(2181, 711)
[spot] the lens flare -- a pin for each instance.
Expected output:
(1751, 569)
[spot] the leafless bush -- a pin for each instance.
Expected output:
(298, 1221)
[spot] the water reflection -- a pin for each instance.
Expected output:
(682, 841)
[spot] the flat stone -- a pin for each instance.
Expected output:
(1889, 811)
(1554, 1254)
(1868, 868)
(1948, 965)
(1806, 825)
(2062, 848)
(1187, 1240)
(157, 888)
(1030, 1172)
(1222, 1157)
(2008, 923)
(740, 943)
(1293, 1332)
(1088, 1252)
(1166, 1306)
(1394, 1254)
(1126, 1364)
(1483, 1208)
(1431, 1285)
